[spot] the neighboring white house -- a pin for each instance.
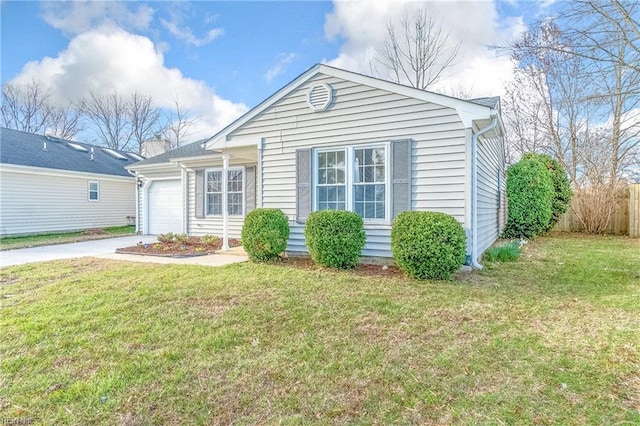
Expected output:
(339, 140)
(50, 185)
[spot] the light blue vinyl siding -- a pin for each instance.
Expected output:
(491, 192)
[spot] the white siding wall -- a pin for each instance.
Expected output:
(491, 192)
(360, 114)
(40, 203)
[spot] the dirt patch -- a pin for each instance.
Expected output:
(192, 246)
(361, 269)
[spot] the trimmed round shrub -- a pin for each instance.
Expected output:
(529, 194)
(428, 245)
(561, 186)
(335, 238)
(265, 233)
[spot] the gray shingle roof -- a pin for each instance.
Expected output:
(491, 102)
(26, 149)
(193, 149)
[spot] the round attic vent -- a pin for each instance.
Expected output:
(319, 97)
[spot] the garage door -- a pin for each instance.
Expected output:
(165, 207)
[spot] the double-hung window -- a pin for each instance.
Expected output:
(235, 195)
(370, 182)
(233, 191)
(332, 180)
(355, 179)
(214, 192)
(94, 191)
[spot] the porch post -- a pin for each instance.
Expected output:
(225, 213)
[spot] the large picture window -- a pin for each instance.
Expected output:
(354, 179)
(234, 192)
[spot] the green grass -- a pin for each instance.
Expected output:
(551, 339)
(8, 243)
(503, 252)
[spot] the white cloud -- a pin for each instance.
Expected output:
(185, 34)
(111, 59)
(75, 17)
(477, 25)
(282, 62)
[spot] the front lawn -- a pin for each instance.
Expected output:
(10, 243)
(551, 339)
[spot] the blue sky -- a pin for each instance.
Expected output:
(221, 58)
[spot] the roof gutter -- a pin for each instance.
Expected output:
(474, 190)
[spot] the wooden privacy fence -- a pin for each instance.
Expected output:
(624, 220)
(634, 210)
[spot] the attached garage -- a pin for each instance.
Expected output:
(164, 210)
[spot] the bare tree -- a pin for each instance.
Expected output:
(598, 28)
(417, 51)
(144, 118)
(109, 117)
(28, 107)
(178, 126)
(587, 95)
(65, 121)
(25, 107)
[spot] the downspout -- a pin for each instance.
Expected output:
(474, 190)
(137, 199)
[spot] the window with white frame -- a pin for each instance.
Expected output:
(214, 192)
(355, 179)
(235, 196)
(370, 182)
(94, 191)
(234, 192)
(331, 187)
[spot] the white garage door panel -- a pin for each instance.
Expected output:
(165, 207)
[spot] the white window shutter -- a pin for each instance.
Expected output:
(400, 176)
(303, 184)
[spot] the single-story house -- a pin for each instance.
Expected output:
(334, 139)
(49, 184)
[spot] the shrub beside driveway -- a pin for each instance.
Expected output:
(552, 339)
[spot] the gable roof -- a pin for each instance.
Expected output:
(27, 149)
(193, 149)
(469, 110)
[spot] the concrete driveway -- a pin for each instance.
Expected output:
(106, 249)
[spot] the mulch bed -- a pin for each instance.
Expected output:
(361, 269)
(193, 246)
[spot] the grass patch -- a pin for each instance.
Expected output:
(552, 339)
(8, 243)
(505, 252)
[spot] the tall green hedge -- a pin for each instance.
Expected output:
(529, 193)
(265, 233)
(561, 186)
(428, 244)
(335, 238)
